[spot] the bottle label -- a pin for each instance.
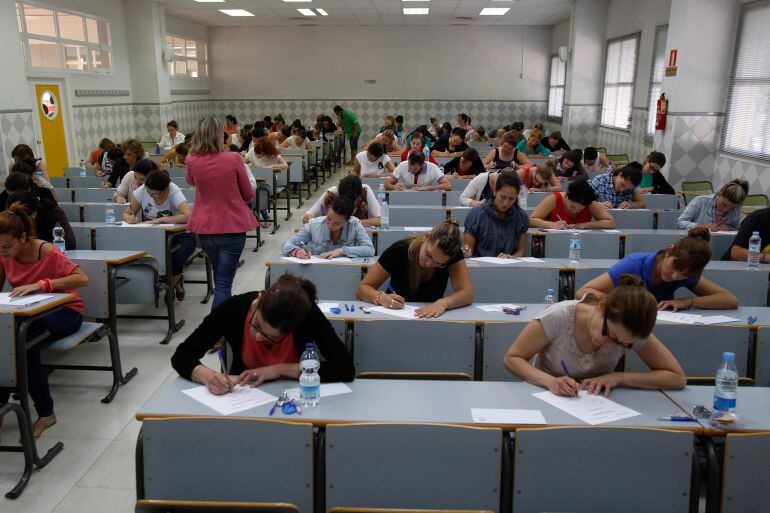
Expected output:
(575, 243)
(724, 404)
(310, 391)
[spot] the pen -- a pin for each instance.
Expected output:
(566, 372)
(672, 418)
(222, 366)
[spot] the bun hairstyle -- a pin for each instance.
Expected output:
(15, 222)
(546, 170)
(350, 186)
(446, 237)
(287, 302)
(692, 253)
(632, 305)
(735, 191)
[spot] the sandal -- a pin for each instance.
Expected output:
(179, 291)
(42, 424)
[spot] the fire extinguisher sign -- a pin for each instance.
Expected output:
(672, 67)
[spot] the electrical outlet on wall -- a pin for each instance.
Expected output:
(370, 82)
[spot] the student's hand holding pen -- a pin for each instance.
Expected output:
(216, 382)
(565, 386)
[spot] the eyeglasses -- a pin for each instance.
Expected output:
(606, 334)
(438, 264)
(259, 330)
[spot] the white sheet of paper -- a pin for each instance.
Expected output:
(677, 317)
(531, 260)
(565, 230)
(728, 232)
(611, 231)
(418, 228)
(500, 416)
(315, 260)
(407, 312)
(327, 389)
(326, 307)
(497, 307)
(124, 224)
(495, 260)
(716, 319)
(30, 299)
(591, 409)
(240, 399)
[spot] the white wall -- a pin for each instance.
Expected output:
(560, 36)
(436, 63)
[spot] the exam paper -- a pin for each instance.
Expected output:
(30, 299)
(500, 416)
(495, 260)
(315, 260)
(497, 307)
(327, 307)
(327, 389)
(716, 319)
(240, 399)
(677, 317)
(591, 409)
(418, 228)
(611, 231)
(531, 260)
(571, 230)
(408, 312)
(124, 224)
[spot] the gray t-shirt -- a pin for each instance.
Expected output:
(558, 322)
(152, 210)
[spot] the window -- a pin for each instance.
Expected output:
(619, 74)
(656, 75)
(189, 57)
(747, 117)
(52, 38)
(556, 87)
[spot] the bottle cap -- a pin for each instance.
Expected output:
(311, 347)
(728, 356)
(551, 291)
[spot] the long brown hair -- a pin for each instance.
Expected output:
(692, 253)
(207, 137)
(287, 302)
(15, 222)
(632, 305)
(446, 237)
(265, 146)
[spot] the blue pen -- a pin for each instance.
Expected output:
(222, 366)
(566, 372)
(673, 418)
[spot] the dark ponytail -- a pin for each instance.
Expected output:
(632, 305)
(692, 253)
(15, 222)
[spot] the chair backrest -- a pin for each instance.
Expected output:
(746, 472)
(601, 149)
(332, 281)
(696, 188)
(624, 457)
(452, 198)
(416, 198)
(172, 454)
(401, 510)
(150, 506)
(754, 202)
(413, 466)
(406, 215)
(661, 201)
(92, 195)
(620, 159)
(428, 376)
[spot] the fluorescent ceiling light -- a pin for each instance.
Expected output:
(415, 0)
(290, 1)
(306, 12)
(236, 12)
(494, 11)
(416, 10)
(210, 1)
(322, 12)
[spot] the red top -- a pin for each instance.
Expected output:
(52, 266)
(254, 354)
(559, 213)
(406, 152)
(94, 155)
(232, 130)
(222, 190)
(526, 170)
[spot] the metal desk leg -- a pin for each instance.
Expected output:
(118, 378)
(139, 455)
(713, 476)
(25, 447)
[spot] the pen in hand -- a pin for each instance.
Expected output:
(223, 370)
(566, 373)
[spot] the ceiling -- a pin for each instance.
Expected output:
(372, 12)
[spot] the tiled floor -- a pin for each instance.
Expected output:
(95, 471)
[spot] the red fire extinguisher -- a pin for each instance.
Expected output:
(661, 113)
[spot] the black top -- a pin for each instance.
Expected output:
(228, 320)
(47, 220)
(119, 170)
(661, 186)
(453, 166)
(561, 145)
(443, 145)
(757, 221)
(395, 260)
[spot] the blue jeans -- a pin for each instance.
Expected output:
(224, 253)
(182, 247)
(61, 323)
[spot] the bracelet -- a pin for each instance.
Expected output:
(48, 285)
(192, 374)
(692, 301)
(41, 285)
(377, 297)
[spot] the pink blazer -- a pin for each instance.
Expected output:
(221, 192)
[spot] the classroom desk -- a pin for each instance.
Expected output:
(14, 326)
(654, 240)
(753, 408)
(450, 402)
(555, 244)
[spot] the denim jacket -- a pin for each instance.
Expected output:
(315, 238)
(700, 210)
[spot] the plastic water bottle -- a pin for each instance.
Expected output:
(726, 384)
(157, 149)
(309, 380)
(523, 197)
(381, 194)
(384, 215)
(58, 237)
(426, 152)
(82, 168)
(109, 213)
(550, 297)
(575, 245)
(755, 251)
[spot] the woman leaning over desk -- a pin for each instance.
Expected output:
(419, 269)
(266, 332)
(576, 345)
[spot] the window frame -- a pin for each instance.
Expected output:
(61, 42)
(636, 36)
(652, 99)
(551, 86)
(202, 61)
(761, 158)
